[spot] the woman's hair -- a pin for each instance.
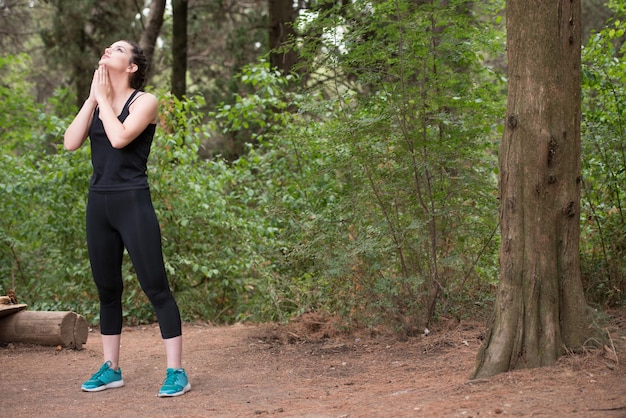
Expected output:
(138, 79)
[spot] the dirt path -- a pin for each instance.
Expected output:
(250, 371)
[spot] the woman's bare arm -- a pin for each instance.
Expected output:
(78, 130)
(143, 112)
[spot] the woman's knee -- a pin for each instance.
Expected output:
(159, 296)
(110, 295)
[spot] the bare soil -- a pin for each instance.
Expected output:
(308, 369)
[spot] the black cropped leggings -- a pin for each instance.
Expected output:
(127, 219)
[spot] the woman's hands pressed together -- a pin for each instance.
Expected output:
(101, 85)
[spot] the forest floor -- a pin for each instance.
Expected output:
(307, 369)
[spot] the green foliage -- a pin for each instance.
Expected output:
(18, 109)
(41, 192)
(603, 243)
(401, 207)
(43, 246)
(263, 110)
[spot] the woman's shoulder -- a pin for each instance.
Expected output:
(144, 105)
(144, 95)
(143, 98)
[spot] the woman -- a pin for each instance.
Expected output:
(120, 121)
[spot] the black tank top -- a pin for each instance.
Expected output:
(119, 169)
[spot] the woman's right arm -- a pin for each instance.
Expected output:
(78, 130)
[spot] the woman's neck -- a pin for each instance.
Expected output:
(120, 87)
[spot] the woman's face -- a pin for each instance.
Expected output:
(117, 56)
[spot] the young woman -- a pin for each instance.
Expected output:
(120, 121)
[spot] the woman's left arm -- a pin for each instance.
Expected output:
(143, 111)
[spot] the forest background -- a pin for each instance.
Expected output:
(350, 169)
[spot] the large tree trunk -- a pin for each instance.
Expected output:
(540, 308)
(152, 28)
(179, 47)
(282, 17)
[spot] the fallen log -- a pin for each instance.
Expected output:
(67, 329)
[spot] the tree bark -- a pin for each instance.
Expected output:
(282, 17)
(540, 308)
(179, 47)
(152, 28)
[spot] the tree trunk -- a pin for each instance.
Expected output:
(179, 47)
(152, 28)
(540, 308)
(282, 18)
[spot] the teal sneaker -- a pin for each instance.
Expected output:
(105, 378)
(175, 384)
